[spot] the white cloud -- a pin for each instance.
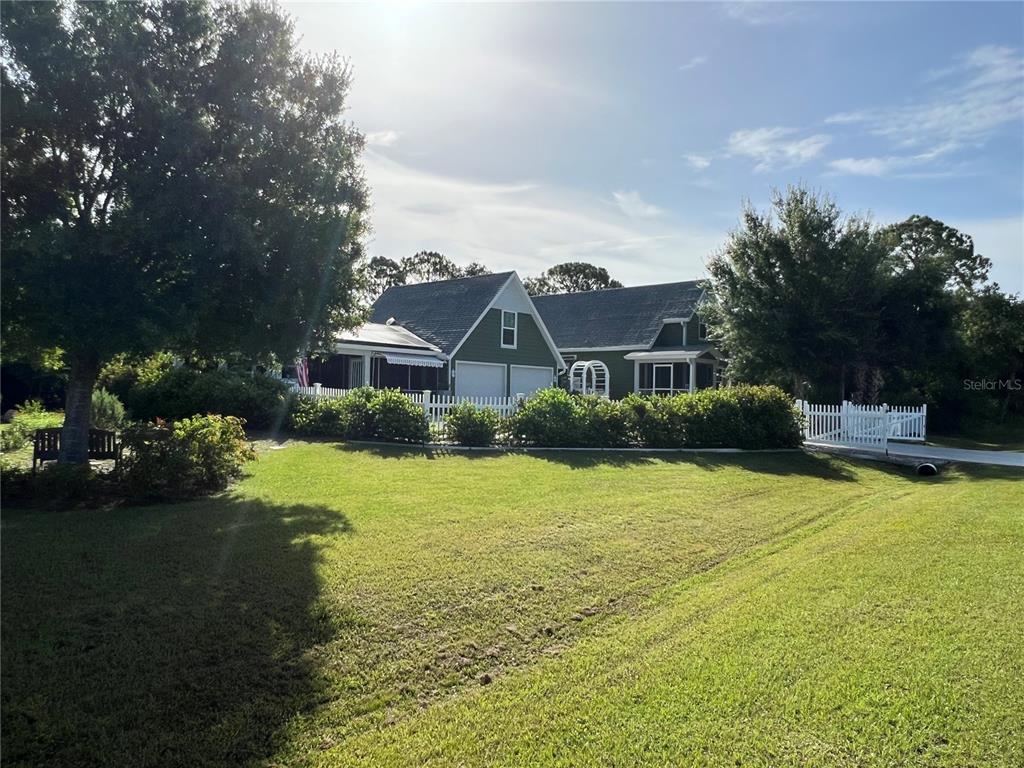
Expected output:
(693, 63)
(524, 226)
(885, 166)
(760, 14)
(697, 162)
(982, 92)
(382, 138)
(631, 204)
(776, 148)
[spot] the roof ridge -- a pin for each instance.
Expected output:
(450, 280)
(622, 288)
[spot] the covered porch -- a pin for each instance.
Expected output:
(382, 356)
(672, 371)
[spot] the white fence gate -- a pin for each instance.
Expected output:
(435, 406)
(863, 425)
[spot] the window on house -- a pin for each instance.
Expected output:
(663, 378)
(702, 331)
(508, 329)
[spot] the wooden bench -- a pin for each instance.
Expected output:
(102, 445)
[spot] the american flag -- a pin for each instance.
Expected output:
(302, 371)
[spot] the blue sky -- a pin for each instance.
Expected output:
(628, 135)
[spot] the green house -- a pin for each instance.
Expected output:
(649, 337)
(485, 336)
(471, 337)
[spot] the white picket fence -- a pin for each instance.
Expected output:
(435, 405)
(863, 425)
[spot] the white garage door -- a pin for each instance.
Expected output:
(479, 380)
(526, 380)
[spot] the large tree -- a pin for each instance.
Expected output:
(381, 273)
(797, 292)
(175, 175)
(570, 277)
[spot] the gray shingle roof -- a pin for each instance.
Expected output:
(616, 317)
(442, 312)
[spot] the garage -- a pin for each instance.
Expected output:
(527, 379)
(479, 379)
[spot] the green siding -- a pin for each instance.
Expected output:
(671, 336)
(620, 370)
(484, 344)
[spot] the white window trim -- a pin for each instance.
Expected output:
(514, 328)
(655, 390)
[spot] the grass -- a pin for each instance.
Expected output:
(365, 607)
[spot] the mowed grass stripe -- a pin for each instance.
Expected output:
(886, 637)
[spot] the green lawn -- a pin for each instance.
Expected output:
(361, 607)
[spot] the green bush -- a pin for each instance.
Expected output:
(177, 393)
(55, 486)
(29, 417)
(466, 424)
(551, 418)
(106, 410)
(362, 414)
(396, 418)
(606, 423)
(749, 417)
(188, 458)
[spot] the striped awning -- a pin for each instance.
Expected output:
(420, 360)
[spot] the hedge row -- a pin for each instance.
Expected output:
(749, 417)
(362, 414)
(736, 417)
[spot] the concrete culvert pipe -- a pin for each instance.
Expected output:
(926, 470)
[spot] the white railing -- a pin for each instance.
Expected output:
(436, 406)
(864, 425)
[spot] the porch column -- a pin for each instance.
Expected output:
(366, 370)
(693, 375)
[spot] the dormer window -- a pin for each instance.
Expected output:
(509, 322)
(702, 331)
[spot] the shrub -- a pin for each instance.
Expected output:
(551, 418)
(106, 411)
(659, 421)
(748, 417)
(466, 424)
(606, 423)
(188, 458)
(317, 416)
(177, 393)
(29, 417)
(54, 486)
(397, 418)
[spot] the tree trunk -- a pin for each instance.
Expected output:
(74, 439)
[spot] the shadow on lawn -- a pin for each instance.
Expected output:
(165, 635)
(769, 463)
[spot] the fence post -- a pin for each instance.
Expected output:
(924, 422)
(426, 403)
(317, 386)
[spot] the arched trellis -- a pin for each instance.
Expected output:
(589, 377)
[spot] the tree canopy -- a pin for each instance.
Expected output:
(570, 277)
(176, 176)
(381, 273)
(797, 291)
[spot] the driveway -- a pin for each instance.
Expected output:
(942, 453)
(910, 453)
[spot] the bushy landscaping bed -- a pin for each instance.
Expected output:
(751, 417)
(161, 461)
